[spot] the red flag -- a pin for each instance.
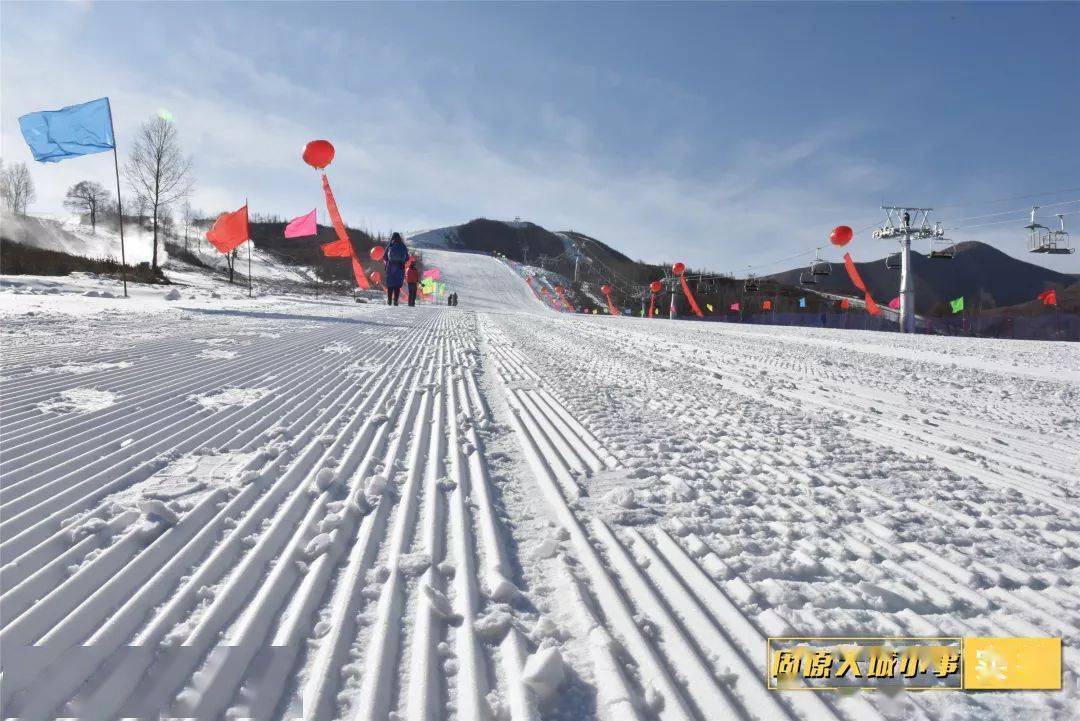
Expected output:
(856, 279)
(1048, 297)
(229, 230)
(340, 248)
(767, 305)
(845, 303)
(690, 297)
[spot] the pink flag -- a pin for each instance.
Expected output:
(734, 306)
(895, 303)
(301, 226)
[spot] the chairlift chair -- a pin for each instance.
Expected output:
(807, 279)
(942, 249)
(1043, 240)
(892, 261)
(819, 266)
(751, 285)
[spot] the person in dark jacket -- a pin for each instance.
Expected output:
(412, 277)
(394, 263)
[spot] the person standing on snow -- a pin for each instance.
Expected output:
(412, 277)
(394, 263)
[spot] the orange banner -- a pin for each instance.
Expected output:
(690, 297)
(856, 279)
(337, 249)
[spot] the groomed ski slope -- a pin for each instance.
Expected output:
(483, 283)
(281, 508)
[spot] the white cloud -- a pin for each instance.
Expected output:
(409, 160)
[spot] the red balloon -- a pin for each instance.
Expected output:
(377, 252)
(376, 276)
(656, 286)
(678, 269)
(841, 235)
(318, 153)
(605, 289)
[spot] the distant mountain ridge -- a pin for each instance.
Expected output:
(981, 273)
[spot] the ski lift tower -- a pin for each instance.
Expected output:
(905, 224)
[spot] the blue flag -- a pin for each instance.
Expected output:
(55, 135)
(802, 302)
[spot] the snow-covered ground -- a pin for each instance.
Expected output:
(218, 507)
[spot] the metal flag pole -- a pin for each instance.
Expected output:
(119, 205)
(250, 241)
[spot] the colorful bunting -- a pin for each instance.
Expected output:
(735, 306)
(766, 305)
(957, 304)
(562, 296)
(802, 302)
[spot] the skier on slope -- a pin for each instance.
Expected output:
(412, 277)
(394, 263)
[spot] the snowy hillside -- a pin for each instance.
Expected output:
(437, 238)
(217, 507)
(70, 236)
(67, 235)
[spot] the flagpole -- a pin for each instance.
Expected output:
(119, 205)
(247, 210)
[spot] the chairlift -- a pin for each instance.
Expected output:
(941, 248)
(807, 279)
(751, 285)
(1043, 240)
(892, 261)
(819, 266)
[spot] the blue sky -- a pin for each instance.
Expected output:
(719, 134)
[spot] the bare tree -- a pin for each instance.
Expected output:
(166, 222)
(17, 188)
(88, 198)
(157, 170)
(188, 216)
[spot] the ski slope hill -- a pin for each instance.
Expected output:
(281, 508)
(482, 282)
